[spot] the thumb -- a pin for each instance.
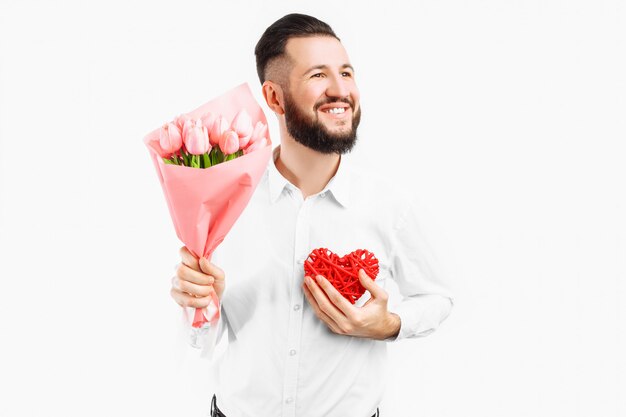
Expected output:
(211, 269)
(369, 284)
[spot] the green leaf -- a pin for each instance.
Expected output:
(207, 161)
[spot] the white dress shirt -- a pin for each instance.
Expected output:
(281, 360)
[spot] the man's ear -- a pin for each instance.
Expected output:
(273, 95)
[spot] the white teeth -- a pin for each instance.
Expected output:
(336, 110)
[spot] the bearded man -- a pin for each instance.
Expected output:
(296, 346)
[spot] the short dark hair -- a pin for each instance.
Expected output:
(273, 41)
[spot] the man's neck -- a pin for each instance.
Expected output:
(305, 168)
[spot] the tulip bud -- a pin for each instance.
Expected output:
(220, 126)
(229, 143)
(189, 123)
(256, 145)
(180, 121)
(259, 132)
(208, 120)
(242, 123)
(244, 141)
(196, 138)
(170, 138)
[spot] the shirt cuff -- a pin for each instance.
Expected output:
(420, 315)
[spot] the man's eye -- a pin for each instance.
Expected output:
(346, 74)
(317, 75)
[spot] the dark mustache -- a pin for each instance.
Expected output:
(332, 100)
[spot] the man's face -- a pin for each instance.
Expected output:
(322, 109)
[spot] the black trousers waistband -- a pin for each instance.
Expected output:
(215, 412)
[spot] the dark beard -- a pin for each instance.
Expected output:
(313, 134)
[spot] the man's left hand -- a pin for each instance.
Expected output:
(373, 320)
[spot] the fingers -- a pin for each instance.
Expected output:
(335, 296)
(323, 302)
(195, 280)
(201, 265)
(211, 269)
(318, 312)
(186, 300)
(191, 288)
(185, 273)
(190, 285)
(189, 259)
(375, 290)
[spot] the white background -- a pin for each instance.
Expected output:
(506, 118)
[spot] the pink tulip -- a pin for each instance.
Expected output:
(208, 120)
(229, 143)
(196, 138)
(259, 132)
(244, 141)
(180, 121)
(220, 126)
(242, 123)
(189, 123)
(170, 138)
(256, 145)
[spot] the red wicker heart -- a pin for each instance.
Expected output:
(342, 272)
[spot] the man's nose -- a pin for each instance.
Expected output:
(337, 87)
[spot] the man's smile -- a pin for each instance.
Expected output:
(336, 111)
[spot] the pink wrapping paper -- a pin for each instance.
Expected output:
(205, 203)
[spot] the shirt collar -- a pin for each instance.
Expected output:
(339, 185)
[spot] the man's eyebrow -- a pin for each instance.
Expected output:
(326, 67)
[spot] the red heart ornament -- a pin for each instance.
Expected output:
(342, 272)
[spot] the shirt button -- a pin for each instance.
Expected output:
(323, 194)
(292, 352)
(289, 400)
(296, 307)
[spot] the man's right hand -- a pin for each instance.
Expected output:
(195, 280)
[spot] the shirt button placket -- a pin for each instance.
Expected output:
(295, 320)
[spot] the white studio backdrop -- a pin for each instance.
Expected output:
(504, 118)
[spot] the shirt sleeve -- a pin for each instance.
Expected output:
(207, 338)
(426, 300)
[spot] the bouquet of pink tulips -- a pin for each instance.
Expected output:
(209, 162)
(210, 139)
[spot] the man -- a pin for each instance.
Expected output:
(325, 356)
